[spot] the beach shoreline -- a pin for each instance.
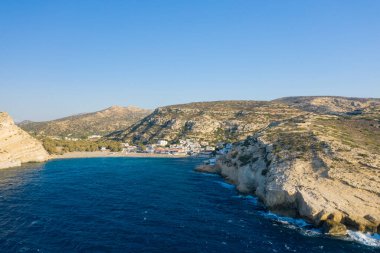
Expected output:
(105, 154)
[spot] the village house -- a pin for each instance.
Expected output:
(162, 143)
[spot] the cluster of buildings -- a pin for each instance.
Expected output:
(183, 147)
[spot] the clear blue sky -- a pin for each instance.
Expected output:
(63, 57)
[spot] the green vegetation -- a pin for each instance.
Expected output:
(234, 154)
(354, 132)
(64, 146)
(245, 159)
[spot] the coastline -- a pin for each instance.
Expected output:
(294, 221)
(111, 154)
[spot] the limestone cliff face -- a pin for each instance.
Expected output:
(321, 167)
(17, 146)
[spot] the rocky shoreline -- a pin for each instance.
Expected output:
(318, 182)
(335, 223)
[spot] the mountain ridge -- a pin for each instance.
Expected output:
(231, 120)
(85, 124)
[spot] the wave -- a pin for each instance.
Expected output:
(209, 174)
(302, 225)
(305, 227)
(364, 238)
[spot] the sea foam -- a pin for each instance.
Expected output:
(365, 238)
(303, 226)
(307, 229)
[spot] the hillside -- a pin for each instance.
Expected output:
(323, 166)
(234, 120)
(17, 146)
(332, 105)
(208, 121)
(83, 125)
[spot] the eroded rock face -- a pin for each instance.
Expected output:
(301, 166)
(17, 146)
(334, 228)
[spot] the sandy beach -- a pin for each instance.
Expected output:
(111, 154)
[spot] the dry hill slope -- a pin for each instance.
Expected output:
(83, 125)
(323, 165)
(332, 105)
(208, 121)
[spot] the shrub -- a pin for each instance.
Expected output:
(245, 159)
(264, 172)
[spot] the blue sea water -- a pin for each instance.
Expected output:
(144, 205)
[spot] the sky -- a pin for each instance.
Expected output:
(59, 58)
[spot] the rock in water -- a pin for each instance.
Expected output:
(17, 146)
(207, 168)
(334, 228)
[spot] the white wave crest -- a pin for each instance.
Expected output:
(364, 238)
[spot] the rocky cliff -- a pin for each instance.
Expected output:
(94, 123)
(17, 146)
(230, 121)
(208, 121)
(322, 167)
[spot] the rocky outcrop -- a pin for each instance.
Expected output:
(17, 146)
(325, 169)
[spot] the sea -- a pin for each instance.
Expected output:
(146, 205)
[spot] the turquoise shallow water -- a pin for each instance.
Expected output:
(143, 205)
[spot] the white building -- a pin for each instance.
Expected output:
(204, 143)
(71, 139)
(162, 143)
